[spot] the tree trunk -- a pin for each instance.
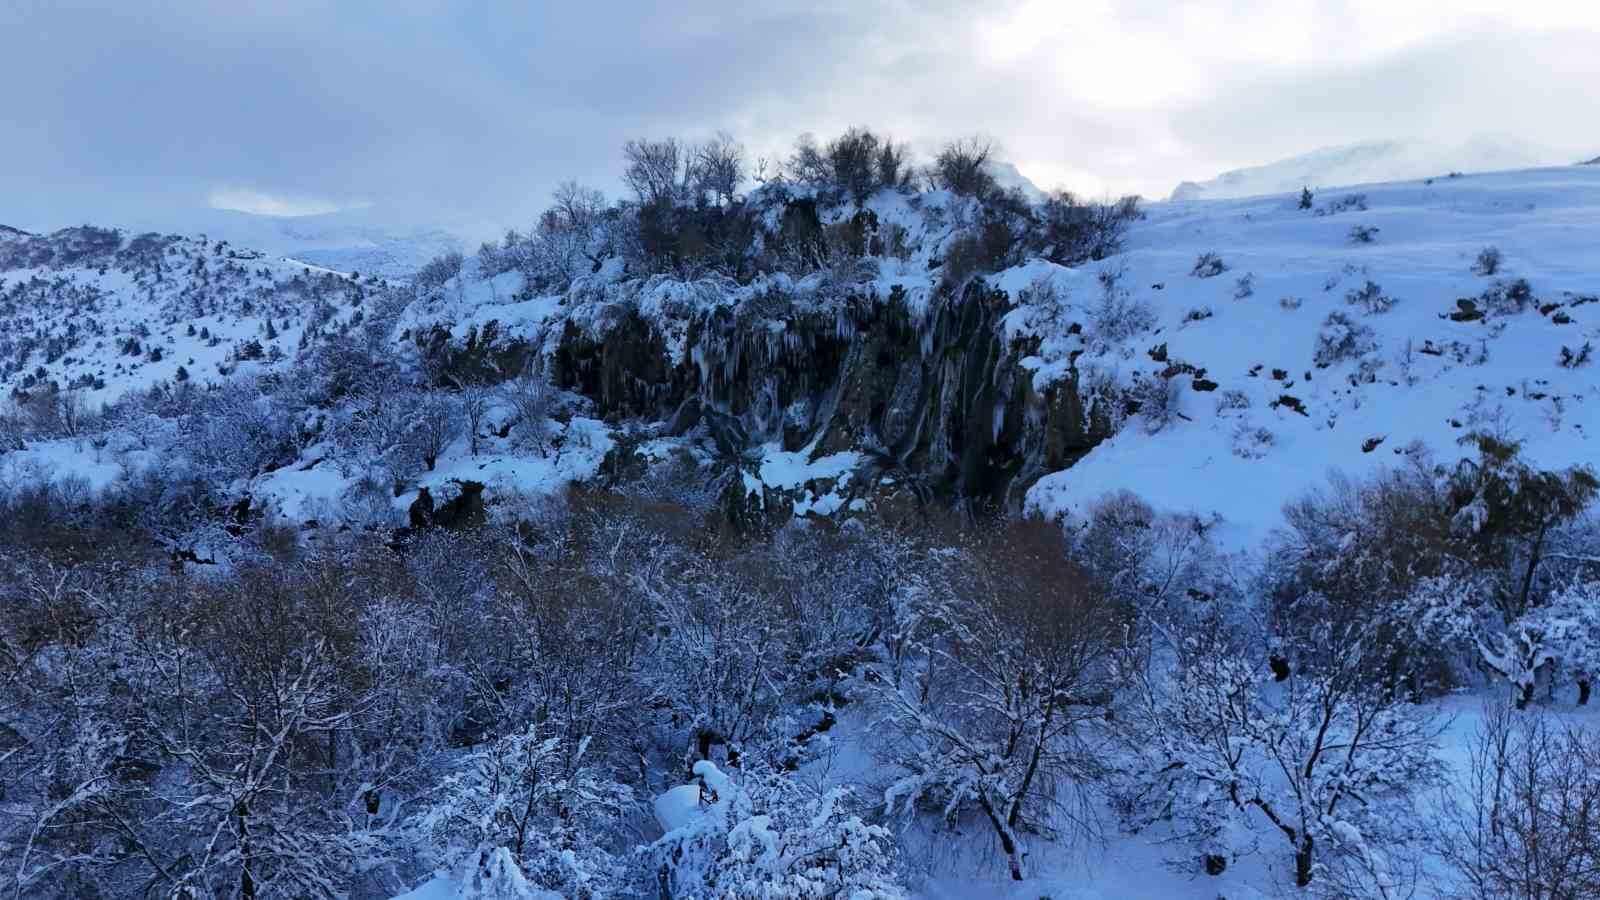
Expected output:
(1525, 696)
(247, 882)
(1302, 863)
(1008, 842)
(1583, 692)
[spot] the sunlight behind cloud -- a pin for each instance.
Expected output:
(262, 203)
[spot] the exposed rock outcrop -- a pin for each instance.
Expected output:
(933, 398)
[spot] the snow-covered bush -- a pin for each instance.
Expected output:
(1341, 338)
(1159, 399)
(529, 806)
(765, 834)
(1251, 442)
(1370, 297)
(1117, 315)
(1487, 262)
(1504, 298)
(1208, 265)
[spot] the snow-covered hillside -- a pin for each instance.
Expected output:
(1303, 347)
(1370, 162)
(1320, 350)
(1339, 336)
(104, 312)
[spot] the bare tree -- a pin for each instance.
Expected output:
(1310, 744)
(993, 718)
(531, 398)
(477, 396)
(436, 424)
(1525, 821)
(654, 170)
(962, 167)
(578, 207)
(719, 167)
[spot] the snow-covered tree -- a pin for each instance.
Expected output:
(768, 835)
(993, 718)
(531, 800)
(1324, 755)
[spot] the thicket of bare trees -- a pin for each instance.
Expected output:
(339, 715)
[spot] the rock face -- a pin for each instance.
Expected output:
(934, 399)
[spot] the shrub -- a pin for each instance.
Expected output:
(1251, 442)
(1356, 202)
(1342, 338)
(1487, 263)
(963, 257)
(962, 168)
(1574, 359)
(1158, 400)
(1363, 234)
(439, 270)
(1069, 232)
(1208, 265)
(1508, 298)
(1117, 315)
(1370, 297)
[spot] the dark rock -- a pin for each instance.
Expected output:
(1280, 667)
(421, 512)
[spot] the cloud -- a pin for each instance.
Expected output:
(265, 204)
(468, 114)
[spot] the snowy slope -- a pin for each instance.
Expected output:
(1425, 378)
(1369, 162)
(108, 312)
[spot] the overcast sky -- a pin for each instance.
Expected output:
(470, 112)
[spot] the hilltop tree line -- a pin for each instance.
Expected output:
(696, 209)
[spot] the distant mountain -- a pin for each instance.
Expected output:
(1007, 175)
(1369, 162)
(1592, 162)
(354, 240)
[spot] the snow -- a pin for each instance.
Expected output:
(678, 807)
(439, 887)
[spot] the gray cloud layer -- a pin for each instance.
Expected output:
(470, 112)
